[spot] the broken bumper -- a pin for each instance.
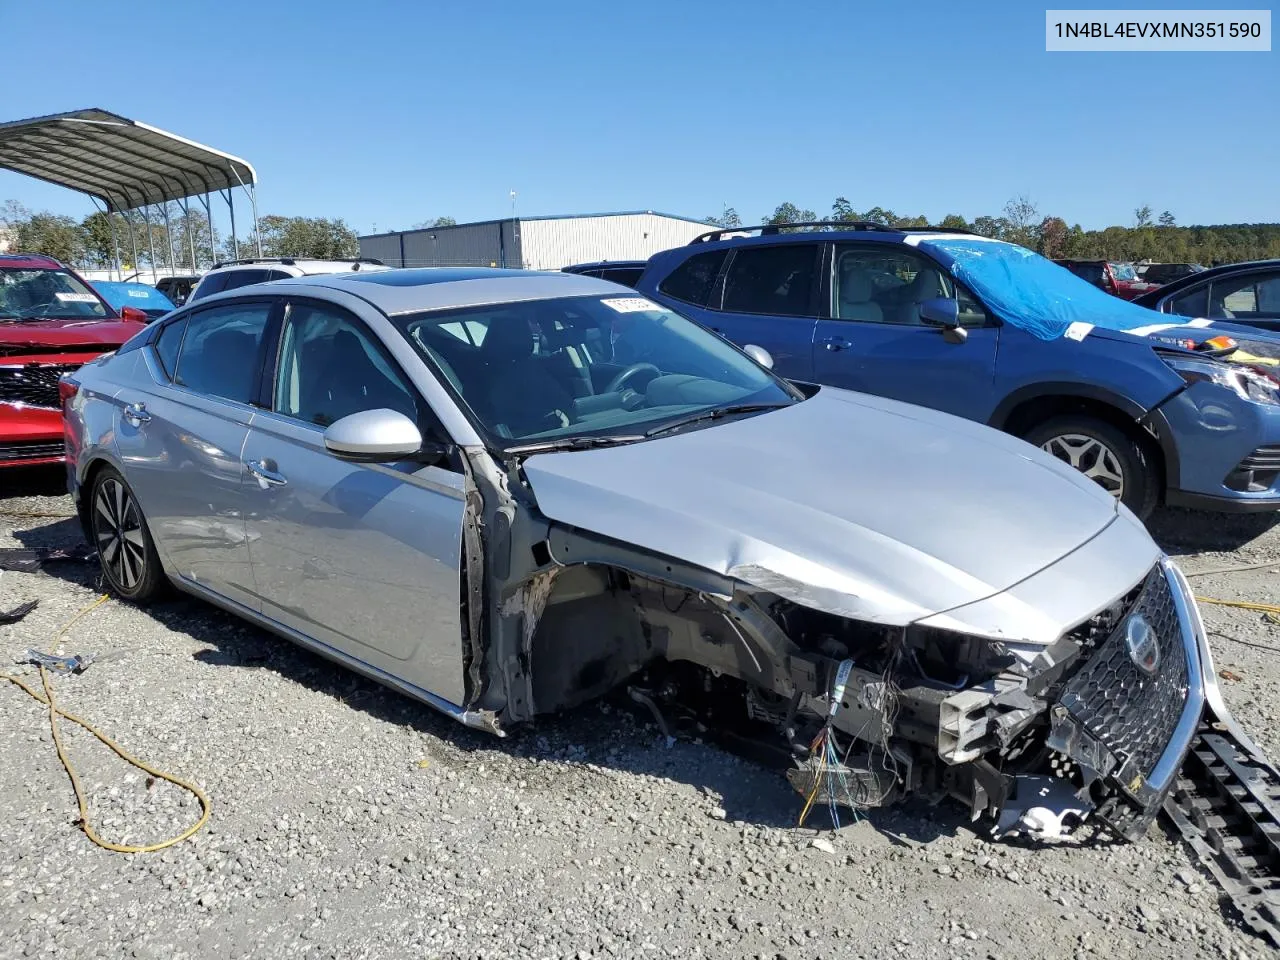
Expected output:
(1127, 718)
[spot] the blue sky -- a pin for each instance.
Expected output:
(388, 114)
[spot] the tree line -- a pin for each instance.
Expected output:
(1151, 237)
(189, 242)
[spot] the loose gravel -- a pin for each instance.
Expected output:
(350, 822)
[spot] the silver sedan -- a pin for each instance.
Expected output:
(505, 493)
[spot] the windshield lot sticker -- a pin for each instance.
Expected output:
(1078, 330)
(76, 297)
(630, 304)
(140, 294)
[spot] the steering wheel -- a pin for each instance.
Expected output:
(627, 375)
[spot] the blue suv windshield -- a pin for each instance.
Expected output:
(1035, 294)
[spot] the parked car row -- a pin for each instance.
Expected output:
(506, 493)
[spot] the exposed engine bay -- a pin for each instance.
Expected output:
(1038, 737)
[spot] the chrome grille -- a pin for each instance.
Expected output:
(1133, 713)
(38, 450)
(35, 384)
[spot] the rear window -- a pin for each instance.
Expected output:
(692, 280)
(772, 280)
(1086, 271)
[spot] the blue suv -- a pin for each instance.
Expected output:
(1185, 412)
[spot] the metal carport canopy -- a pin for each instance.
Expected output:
(124, 163)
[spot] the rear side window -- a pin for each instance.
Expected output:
(220, 353)
(627, 276)
(772, 280)
(211, 284)
(242, 278)
(692, 280)
(168, 344)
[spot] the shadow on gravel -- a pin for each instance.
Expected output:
(1181, 531)
(613, 733)
(48, 481)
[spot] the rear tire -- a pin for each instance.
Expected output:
(1115, 460)
(119, 531)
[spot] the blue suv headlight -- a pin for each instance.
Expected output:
(1246, 383)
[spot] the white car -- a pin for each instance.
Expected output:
(230, 274)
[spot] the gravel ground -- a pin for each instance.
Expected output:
(350, 822)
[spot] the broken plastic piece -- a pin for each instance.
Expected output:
(1040, 807)
(74, 664)
(18, 612)
(29, 561)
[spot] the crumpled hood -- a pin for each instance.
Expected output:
(853, 504)
(24, 334)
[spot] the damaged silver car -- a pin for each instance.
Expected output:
(507, 493)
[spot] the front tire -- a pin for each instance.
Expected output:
(1115, 460)
(123, 541)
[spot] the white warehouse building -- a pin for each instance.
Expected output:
(536, 243)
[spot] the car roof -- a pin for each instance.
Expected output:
(438, 288)
(1193, 279)
(29, 261)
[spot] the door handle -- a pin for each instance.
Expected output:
(136, 413)
(263, 472)
(836, 343)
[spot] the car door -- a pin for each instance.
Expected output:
(874, 340)
(361, 557)
(180, 438)
(769, 298)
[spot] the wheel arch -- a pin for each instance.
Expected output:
(1023, 409)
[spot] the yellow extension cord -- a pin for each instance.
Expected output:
(55, 711)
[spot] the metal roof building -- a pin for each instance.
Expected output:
(535, 243)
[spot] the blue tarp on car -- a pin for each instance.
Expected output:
(146, 298)
(1032, 292)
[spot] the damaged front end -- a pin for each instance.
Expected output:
(1037, 736)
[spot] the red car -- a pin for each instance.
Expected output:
(51, 321)
(1119, 279)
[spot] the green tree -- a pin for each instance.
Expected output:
(1167, 219)
(52, 234)
(1022, 220)
(1053, 237)
(994, 227)
(843, 211)
(728, 218)
(953, 221)
(437, 222)
(790, 213)
(1142, 216)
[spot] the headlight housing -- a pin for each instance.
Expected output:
(1245, 382)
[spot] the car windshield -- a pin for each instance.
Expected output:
(145, 298)
(1027, 291)
(37, 294)
(590, 368)
(1123, 271)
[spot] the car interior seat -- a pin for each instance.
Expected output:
(523, 394)
(854, 296)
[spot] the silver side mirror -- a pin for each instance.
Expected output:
(759, 354)
(374, 436)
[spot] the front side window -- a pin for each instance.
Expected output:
(881, 283)
(220, 354)
(584, 366)
(330, 366)
(1123, 271)
(43, 294)
(1193, 303)
(772, 280)
(694, 279)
